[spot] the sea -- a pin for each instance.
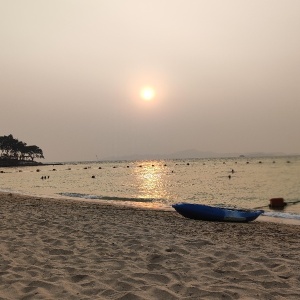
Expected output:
(241, 182)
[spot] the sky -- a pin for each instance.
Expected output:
(225, 73)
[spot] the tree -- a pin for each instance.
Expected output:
(8, 145)
(33, 152)
(13, 149)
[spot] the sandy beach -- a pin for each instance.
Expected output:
(63, 249)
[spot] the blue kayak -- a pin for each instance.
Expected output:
(213, 213)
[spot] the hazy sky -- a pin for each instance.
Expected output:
(226, 74)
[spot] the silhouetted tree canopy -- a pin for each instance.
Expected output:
(15, 150)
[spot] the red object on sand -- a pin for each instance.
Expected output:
(277, 202)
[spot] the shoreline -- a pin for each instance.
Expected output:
(279, 220)
(28, 164)
(116, 204)
(70, 249)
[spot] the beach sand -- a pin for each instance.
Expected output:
(64, 249)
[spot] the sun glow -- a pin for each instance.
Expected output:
(147, 93)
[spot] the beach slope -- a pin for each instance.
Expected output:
(63, 249)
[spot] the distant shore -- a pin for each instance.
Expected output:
(23, 163)
(65, 249)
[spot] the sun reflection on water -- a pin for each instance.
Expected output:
(152, 181)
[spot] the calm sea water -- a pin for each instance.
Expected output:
(236, 182)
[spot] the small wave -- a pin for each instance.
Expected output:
(282, 215)
(108, 198)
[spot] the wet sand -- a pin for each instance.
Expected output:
(64, 249)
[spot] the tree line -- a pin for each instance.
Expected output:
(12, 149)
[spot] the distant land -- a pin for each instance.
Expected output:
(193, 153)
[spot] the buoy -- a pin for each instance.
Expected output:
(277, 203)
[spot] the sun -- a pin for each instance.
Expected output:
(147, 93)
